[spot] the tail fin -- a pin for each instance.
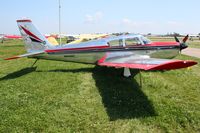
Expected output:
(34, 40)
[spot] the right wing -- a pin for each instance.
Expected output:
(144, 63)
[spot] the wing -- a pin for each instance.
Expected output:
(143, 62)
(24, 55)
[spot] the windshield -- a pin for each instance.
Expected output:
(145, 40)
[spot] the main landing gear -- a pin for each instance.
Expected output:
(35, 62)
(127, 74)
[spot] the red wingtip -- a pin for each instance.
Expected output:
(174, 65)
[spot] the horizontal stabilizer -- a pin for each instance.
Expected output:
(25, 55)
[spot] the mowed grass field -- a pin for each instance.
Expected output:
(70, 97)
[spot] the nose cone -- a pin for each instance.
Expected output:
(183, 46)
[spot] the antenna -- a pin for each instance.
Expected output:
(59, 23)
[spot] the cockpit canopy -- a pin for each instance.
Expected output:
(133, 40)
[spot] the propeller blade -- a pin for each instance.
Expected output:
(176, 39)
(185, 38)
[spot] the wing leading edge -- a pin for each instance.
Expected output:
(145, 63)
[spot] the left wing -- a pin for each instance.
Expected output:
(144, 63)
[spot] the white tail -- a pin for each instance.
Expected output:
(34, 40)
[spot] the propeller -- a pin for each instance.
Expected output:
(183, 44)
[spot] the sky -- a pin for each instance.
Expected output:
(103, 16)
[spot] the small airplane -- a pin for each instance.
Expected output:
(5, 37)
(12, 37)
(125, 51)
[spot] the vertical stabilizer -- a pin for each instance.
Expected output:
(34, 40)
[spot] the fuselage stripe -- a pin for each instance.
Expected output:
(108, 49)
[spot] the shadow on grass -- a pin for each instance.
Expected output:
(19, 73)
(122, 97)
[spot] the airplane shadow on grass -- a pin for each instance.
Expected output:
(121, 97)
(19, 73)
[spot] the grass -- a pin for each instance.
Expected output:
(71, 97)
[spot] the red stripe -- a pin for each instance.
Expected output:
(30, 34)
(24, 20)
(68, 49)
(162, 44)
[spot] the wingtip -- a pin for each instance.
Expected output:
(174, 65)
